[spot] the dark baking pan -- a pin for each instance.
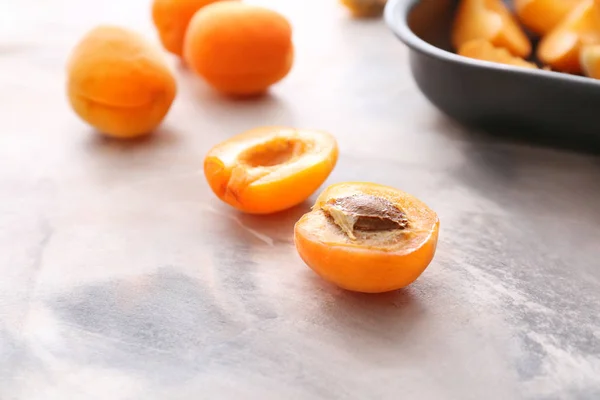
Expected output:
(490, 95)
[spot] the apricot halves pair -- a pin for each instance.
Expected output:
(360, 236)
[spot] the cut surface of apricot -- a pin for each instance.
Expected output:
(492, 21)
(365, 8)
(541, 16)
(484, 50)
(561, 47)
(171, 19)
(119, 83)
(270, 169)
(367, 237)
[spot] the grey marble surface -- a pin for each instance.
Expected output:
(124, 278)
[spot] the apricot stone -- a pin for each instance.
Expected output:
(238, 48)
(171, 18)
(119, 83)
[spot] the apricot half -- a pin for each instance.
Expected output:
(119, 83)
(367, 237)
(484, 50)
(270, 169)
(561, 47)
(238, 48)
(541, 16)
(492, 21)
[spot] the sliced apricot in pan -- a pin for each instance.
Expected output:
(590, 61)
(270, 169)
(492, 21)
(541, 16)
(484, 50)
(561, 47)
(367, 237)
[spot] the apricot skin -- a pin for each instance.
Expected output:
(118, 83)
(172, 17)
(356, 267)
(239, 49)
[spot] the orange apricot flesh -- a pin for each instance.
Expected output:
(590, 61)
(171, 19)
(484, 50)
(541, 16)
(239, 49)
(119, 83)
(270, 169)
(492, 21)
(382, 241)
(560, 48)
(365, 8)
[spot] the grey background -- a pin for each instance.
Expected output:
(122, 277)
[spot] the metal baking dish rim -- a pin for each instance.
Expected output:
(396, 14)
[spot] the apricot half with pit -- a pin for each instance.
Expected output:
(119, 83)
(270, 169)
(367, 237)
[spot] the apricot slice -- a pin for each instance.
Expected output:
(119, 83)
(484, 50)
(171, 19)
(492, 21)
(367, 237)
(541, 16)
(270, 169)
(560, 48)
(590, 61)
(239, 49)
(365, 8)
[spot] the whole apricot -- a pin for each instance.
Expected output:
(365, 8)
(119, 83)
(483, 50)
(239, 49)
(171, 18)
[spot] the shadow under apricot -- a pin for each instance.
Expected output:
(160, 137)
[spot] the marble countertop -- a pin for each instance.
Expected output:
(123, 277)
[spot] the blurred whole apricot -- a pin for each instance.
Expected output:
(239, 49)
(365, 8)
(171, 18)
(119, 83)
